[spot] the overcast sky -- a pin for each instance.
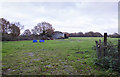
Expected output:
(64, 16)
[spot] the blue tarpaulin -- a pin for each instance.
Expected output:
(34, 41)
(41, 40)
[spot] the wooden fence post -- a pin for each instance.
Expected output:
(97, 48)
(105, 43)
(105, 39)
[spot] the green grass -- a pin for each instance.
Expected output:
(54, 57)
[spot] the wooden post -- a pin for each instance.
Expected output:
(119, 49)
(97, 48)
(105, 43)
(105, 39)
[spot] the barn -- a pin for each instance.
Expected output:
(58, 35)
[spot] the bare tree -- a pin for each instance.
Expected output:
(34, 32)
(43, 28)
(4, 26)
(27, 32)
(18, 25)
(14, 30)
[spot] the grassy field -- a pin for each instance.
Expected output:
(73, 56)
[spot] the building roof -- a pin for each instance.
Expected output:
(58, 32)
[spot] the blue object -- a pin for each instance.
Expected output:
(41, 40)
(34, 41)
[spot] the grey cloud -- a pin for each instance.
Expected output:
(64, 15)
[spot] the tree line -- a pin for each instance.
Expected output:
(93, 34)
(43, 30)
(11, 31)
(87, 34)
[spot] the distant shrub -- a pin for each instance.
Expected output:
(6, 37)
(111, 60)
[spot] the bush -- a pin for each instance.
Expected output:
(111, 60)
(6, 37)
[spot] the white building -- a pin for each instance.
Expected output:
(58, 35)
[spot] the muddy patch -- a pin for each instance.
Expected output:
(69, 69)
(37, 59)
(30, 54)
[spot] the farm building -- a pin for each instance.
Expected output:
(66, 35)
(58, 35)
